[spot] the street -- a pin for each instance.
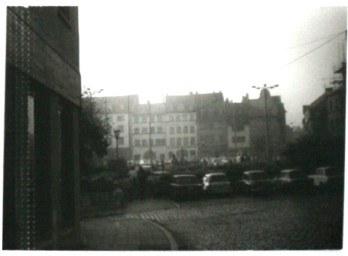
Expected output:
(279, 221)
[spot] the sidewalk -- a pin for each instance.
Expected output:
(110, 233)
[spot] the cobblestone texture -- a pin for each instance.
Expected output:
(295, 222)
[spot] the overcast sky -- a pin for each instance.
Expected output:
(175, 47)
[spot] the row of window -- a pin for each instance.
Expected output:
(160, 118)
(172, 130)
(238, 139)
(192, 153)
(162, 142)
(145, 130)
(180, 130)
(178, 142)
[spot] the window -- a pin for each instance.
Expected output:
(171, 118)
(184, 117)
(178, 130)
(171, 130)
(238, 139)
(120, 118)
(121, 128)
(193, 141)
(159, 118)
(137, 142)
(192, 117)
(172, 142)
(185, 129)
(160, 142)
(178, 118)
(193, 153)
(143, 119)
(144, 130)
(152, 130)
(136, 119)
(186, 141)
(192, 129)
(178, 142)
(136, 130)
(144, 142)
(159, 129)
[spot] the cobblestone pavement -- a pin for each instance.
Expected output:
(295, 222)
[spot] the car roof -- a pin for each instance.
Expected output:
(290, 170)
(215, 174)
(183, 175)
(254, 171)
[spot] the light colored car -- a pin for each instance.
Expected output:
(327, 176)
(216, 183)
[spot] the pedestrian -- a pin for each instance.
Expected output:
(141, 182)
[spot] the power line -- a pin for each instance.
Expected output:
(316, 48)
(316, 40)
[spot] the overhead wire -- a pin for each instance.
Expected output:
(316, 48)
(314, 41)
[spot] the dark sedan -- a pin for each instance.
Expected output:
(254, 181)
(183, 186)
(292, 180)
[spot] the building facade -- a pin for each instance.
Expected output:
(42, 101)
(195, 126)
(252, 121)
(325, 116)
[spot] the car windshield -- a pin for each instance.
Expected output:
(218, 178)
(186, 180)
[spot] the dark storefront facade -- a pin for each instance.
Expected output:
(42, 101)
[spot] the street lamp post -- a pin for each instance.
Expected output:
(117, 136)
(266, 114)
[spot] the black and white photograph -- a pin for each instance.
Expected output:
(173, 125)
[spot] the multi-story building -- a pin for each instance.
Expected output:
(149, 132)
(325, 117)
(247, 126)
(181, 123)
(194, 126)
(41, 161)
(118, 110)
(266, 120)
(211, 126)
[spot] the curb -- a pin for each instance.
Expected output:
(173, 244)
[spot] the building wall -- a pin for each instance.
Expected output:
(41, 173)
(182, 135)
(239, 141)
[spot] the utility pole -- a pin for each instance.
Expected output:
(150, 143)
(264, 88)
(129, 134)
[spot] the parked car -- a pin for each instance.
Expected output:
(158, 182)
(185, 185)
(254, 181)
(292, 180)
(327, 177)
(216, 183)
